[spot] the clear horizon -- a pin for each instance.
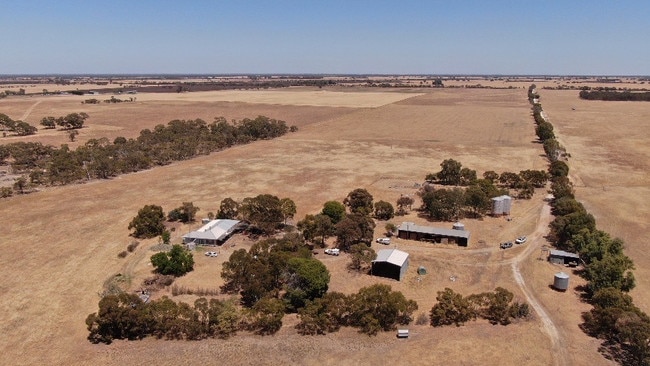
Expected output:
(357, 37)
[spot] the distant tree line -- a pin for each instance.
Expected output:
(68, 122)
(612, 95)
(103, 159)
(624, 328)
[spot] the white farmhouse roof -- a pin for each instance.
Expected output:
(392, 256)
(213, 230)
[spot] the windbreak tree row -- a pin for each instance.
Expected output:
(624, 328)
(103, 159)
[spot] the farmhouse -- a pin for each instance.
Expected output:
(562, 257)
(411, 231)
(390, 263)
(215, 232)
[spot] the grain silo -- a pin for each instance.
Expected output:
(507, 204)
(501, 205)
(561, 281)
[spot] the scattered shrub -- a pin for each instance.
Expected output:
(134, 244)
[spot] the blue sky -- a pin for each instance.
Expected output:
(329, 36)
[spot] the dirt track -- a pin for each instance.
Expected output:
(536, 240)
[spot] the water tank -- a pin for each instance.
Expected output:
(561, 281)
(458, 226)
(497, 206)
(507, 204)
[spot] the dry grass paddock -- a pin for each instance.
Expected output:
(61, 244)
(610, 166)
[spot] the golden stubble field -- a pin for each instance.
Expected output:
(61, 244)
(609, 143)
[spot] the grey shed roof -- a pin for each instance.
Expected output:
(409, 226)
(213, 230)
(392, 256)
(562, 253)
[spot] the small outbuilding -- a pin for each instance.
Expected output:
(390, 263)
(562, 257)
(215, 232)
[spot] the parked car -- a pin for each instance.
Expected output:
(334, 251)
(211, 254)
(521, 240)
(506, 245)
(385, 241)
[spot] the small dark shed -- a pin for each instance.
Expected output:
(390, 263)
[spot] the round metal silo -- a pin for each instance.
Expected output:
(561, 281)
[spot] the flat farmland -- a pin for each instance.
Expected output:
(61, 244)
(610, 167)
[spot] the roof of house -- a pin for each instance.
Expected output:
(392, 256)
(562, 253)
(412, 227)
(213, 230)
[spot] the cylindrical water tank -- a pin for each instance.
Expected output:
(561, 281)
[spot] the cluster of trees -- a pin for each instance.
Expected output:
(265, 212)
(126, 316)
(608, 271)
(497, 307)
(275, 268)
(20, 186)
(372, 309)
(68, 122)
(351, 221)
(453, 174)
(177, 262)
(102, 159)
(7, 93)
(19, 128)
(185, 213)
(149, 222)
(475, 199)
(612, 95)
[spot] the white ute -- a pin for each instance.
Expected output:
(334, 251)
(385, 241)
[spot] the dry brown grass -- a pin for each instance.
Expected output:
(610, 165)
(73, 233)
